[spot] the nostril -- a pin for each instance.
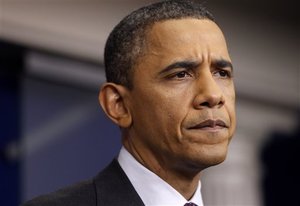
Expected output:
(209, 100)
(212, 103)
(205, 104)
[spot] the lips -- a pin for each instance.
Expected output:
(210, 124)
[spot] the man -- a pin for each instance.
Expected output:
(170, 90)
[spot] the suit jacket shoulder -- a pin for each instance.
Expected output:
(80, 194)
(114, 188)
(109, 187)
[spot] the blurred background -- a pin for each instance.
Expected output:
(53, 132)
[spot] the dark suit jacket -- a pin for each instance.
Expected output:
(109, 187)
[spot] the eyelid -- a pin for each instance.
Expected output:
(185, 64)
(229, 72)
(178, 71)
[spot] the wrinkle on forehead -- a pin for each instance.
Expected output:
(197, 36)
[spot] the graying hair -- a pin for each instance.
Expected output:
(125, 44)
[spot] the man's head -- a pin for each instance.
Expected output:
(174, 99)
(126, 43)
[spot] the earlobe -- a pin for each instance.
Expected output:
(112, 98)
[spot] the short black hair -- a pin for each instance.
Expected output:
(125, 43)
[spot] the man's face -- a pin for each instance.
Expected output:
(183, 100)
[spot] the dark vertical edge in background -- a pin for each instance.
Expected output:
(11, 70)
(280, 161)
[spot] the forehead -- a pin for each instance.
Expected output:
(193, 36)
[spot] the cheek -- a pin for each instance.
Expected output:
(228, 92)
(170, 110)
(176, 109)
(176, 102)
(167, 110)
(230, 106)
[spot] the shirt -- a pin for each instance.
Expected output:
(153, 190)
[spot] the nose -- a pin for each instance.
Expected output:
(209, 93)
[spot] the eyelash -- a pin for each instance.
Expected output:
(224, 72)
(181, 75)
(185, 73)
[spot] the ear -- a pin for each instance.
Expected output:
(112, 98)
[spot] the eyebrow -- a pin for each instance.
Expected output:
(222, 63)
(181, 64)
(190, 64)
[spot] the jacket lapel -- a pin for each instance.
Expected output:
(114, 188)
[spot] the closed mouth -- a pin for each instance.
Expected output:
(210, 124)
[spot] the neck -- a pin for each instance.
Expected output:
(182, 179)
(185, 184)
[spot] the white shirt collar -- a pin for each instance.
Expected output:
(148, 185)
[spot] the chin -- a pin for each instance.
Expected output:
(210, 157)
(214, 160)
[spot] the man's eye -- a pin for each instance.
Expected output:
(222, 74)
(182, 74)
